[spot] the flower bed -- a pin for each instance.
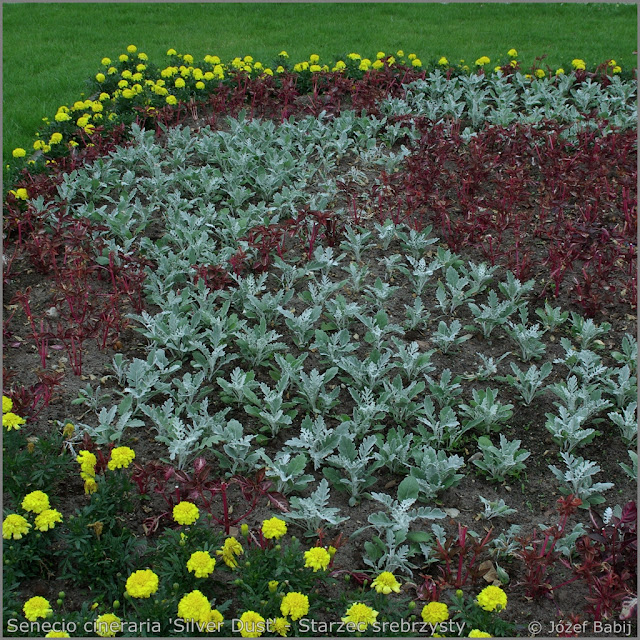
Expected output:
(314, 350)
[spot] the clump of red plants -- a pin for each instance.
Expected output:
(532, 200)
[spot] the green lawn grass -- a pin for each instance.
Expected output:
(49, 50)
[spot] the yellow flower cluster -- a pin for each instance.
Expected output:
(11, 420)
(121, 458)
(142, 584)
(36, 502)
(195, 606)
(492, 598)
(274, 528)
(294, 604)
(435, 612)
(476, 633)
(386, 583)
(87, 462)
(360, 615)
(185, 513)
(37, 607)
(253, 625)
(108, 625)
(317, 558)
(14, 526)
(230, 549)
(201, 563)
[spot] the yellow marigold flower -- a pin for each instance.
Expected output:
(216, 617)
(47, 519)
(62, 117)
(128, 94)
(317, 558)
(132, 48)
(127, 74)
(141, 67)
(354, 56)
(482, 61)
(107, 625)
(195, 606)
(390, 60)
(443, 61)
(143, 56)
(528, 76)
(364, 64)
(142, 583)
(38, 144)
(14, 526)
(284, 54)
(122, 84)
(57, 634)
(340, 65)
(361, 615)
(87, 462)
(412, 56)
(279, 69)
(540, 73)
(179, 83)
(56, 138)
(37, 607)
(273, 586)
(512, 53)
(314, 58)
(103, 96)
(172, 52)
(7, 403)
(121, 458)
(297, 67)
(230, 549)
(400, 53)
(90, 485)
(36, 502)
(185, 512)
(136, 77)
(314, 68)
(106, 62)
(476, 633)
(577, 63)
(111, 71)
(514, 63)
(96, 106)
(280, 625)
(171, 100)
(123, 58)
(73, 143)
(274, 528)
(18, 152)
(201, 563)
(11, 420)
(386, 583)
(378, 64)
(617, 69)
(253, 625)
(435, 612)
(84, 120)
(200, 85)
(294, 604)
(380, 55)
(268, 71)
(492, 598)
(332, 551)
(496, 69)
(416, 62)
